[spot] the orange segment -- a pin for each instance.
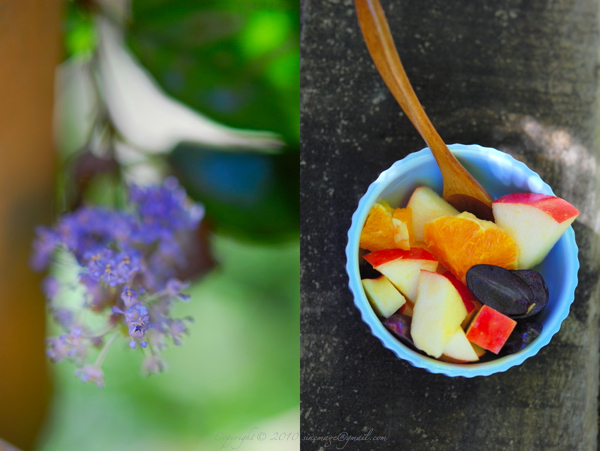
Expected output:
(402, 220)
(378, 232)
(462, 241)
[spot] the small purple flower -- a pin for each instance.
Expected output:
(128, 262)
(50, 287)
(67, 346)
(130, 296)
(175, 287)
(176, 330)
(112, 268)
(122, 227)
(170, 251)
(153, 365)
(138, 322)
(57, 348)
(102, 265)
(91, 229)
(91, 373)
(158, 272)
(44, 245)
(62, 316)
(159, 340)
(163, 210)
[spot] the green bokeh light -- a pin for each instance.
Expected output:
(80, 37)
(265, 31)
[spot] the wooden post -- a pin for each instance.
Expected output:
(29, 53)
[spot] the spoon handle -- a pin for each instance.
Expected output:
(378, 37)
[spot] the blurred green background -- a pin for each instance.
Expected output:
(237, 62)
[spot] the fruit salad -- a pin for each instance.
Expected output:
(455, 287)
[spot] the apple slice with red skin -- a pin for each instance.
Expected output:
(463, 290)
(403, 267)
(471, 315)
(490, 329)
(383, 296)
(439, 310)
(471, 303)
(535, 222)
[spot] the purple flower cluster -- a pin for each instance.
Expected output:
(128, 262)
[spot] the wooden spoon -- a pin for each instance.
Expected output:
(460, 188)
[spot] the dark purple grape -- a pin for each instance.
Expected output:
(538, 287)
(400, 326)
(524, 333)
(500, 289)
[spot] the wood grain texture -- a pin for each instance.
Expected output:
(518, 76)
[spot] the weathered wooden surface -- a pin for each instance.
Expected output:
(518, 76)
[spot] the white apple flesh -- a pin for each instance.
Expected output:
(459, 349)
(383, 296)
(427, 205)
(535, 222)
(438, 312)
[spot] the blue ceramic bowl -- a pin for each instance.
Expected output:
(500, 174)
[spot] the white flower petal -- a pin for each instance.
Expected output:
(151, 120)
(75, 105)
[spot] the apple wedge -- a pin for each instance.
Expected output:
(471, 303)
(535, 222)
(402, 267)
(407, 309)
(478, 350)
(490, 329)
(438, 312)
(426, 205)
(383, 296)
(465, 294)
(459, 349)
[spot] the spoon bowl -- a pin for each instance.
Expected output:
(464, 202)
